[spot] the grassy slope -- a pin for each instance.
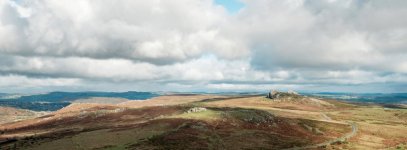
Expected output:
(229, 123)
(9, 114)
(378, 127)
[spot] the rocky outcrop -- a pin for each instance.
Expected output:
(273, 94)
(292, 92)
(276, 94)
(196, 109)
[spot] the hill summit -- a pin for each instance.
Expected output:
(274, 94)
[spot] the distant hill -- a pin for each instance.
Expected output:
(57, 100)
(3, 95)
(72, 96)
(383, 98)
(9, 114)
(101, 100)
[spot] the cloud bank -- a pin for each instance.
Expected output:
(184, 45)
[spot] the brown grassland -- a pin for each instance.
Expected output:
(223, 122)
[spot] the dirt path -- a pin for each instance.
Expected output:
(324, 118)
(326, 143)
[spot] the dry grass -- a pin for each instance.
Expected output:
(208, 115)
(229, 122)
(379, 127)
(168, 100)
(9, 115)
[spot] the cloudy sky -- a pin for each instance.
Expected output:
(203, 45)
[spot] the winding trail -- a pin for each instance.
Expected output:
(326, 143)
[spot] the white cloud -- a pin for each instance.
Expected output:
(206, 68)
(13, 83)
(316, 34)
(155, 31)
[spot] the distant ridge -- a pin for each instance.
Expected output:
(57, 100)
(71, 96)
(383, 98)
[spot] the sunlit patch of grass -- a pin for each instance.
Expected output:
(401, 147)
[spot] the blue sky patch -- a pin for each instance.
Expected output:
(233, 6)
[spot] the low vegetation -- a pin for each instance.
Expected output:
(212, 122)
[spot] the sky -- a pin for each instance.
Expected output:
(232, 6)
(203, 45)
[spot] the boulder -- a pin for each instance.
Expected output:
(273, 94)
(196, 109)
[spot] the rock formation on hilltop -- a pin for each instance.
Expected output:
(276, 94)
(295, 98)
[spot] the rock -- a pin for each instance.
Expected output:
(196, 109)
(292, 92)
(273, 94)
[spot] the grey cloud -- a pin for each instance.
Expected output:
(203, 69)
(340, 35)
(158, 32)
(196, 45)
